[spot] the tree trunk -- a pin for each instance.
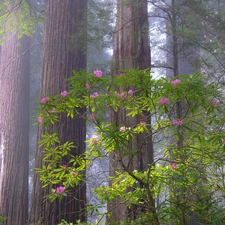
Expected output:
(131, 50)
(181, 55)
(62, 20)
(184, 58)
(14, 129)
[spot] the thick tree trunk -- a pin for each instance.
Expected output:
(131, 50)
(62, 19)
(14, 129)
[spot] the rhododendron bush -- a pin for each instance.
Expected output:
(185, 179)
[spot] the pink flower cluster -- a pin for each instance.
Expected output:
(60, 190)
(121, 73)
(64, 93)
(122, 95)
(94, 140)
(215, 103)
(175, 82)
(177, 122)
(164, 101)
(40, 119)
(223, 141)
(123, 129)
(94, 95)
(173, 165)
(98, 73)
(93, 116)
(142, 124)
(52, 111)
(130, 92)
(44, 100)
(88, 86)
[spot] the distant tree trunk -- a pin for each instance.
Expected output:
(14, 129)
(181, 54)
(184, 59)
(131, 50)
(62, 20)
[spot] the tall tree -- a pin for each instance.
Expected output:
(62, 21)
(14, 129)
(184, 58)
(131, 50)
(182, 53)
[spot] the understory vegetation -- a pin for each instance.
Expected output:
(187, 176)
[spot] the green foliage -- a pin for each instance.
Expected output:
(63, 222)
(100, 20)
(2, 219)
(185, 179)
(16, 18)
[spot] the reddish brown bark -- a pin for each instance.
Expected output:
(62, 19)
(14, 129)
(131, 50)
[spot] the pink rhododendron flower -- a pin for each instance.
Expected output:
(44, 100)
(175, 82)
(94, 140)
(64, 93)
(40, 119)
(94, 95)
(52, 111)
(130, 92)
(173, 165)
(93, 116)
(121, 73)
(122, 96)
(123, 129)
(177, 122)
(163, 101)
(143, 124)
(60, 190)
(214, 102)
(98, 73)
(223, 141)
(65, 165)
(87, 86)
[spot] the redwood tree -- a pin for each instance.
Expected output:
(62, 22)
(14, 129)
(131, 50)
